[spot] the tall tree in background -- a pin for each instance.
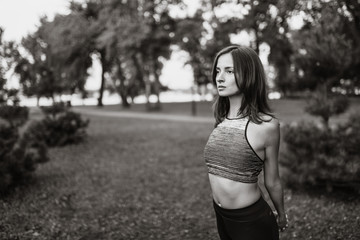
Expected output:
(155, 44)
(90, 12)
(189, 36)
(350, 15)
(123, 32)
(276, 36)
(257, 20)
(68, 50)
(36, 74)
(254, 18)
(8, 56)
(323, 56)
(109, 20)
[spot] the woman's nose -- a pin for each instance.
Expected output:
(220, 77)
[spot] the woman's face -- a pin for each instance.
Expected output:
(225, 77)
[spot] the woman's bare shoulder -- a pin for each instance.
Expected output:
(268, 119)
(270, 124)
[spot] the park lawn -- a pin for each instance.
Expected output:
(146, 179)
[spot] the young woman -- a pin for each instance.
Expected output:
(245, 140)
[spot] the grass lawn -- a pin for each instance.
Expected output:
(146, 179)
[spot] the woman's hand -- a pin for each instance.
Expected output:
(283, 222)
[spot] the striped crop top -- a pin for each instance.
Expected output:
(229, 154)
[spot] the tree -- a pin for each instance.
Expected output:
(276, 36)
(121, 37)
(68, 49)
(136, 35)
(35, 72)
(8, 54)
(155, 44)
(350, 15)
(323, 56)
(110, 19)
(188, 36)
(88, 16)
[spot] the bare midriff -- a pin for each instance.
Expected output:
(230, 194)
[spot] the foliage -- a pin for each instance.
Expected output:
(319, 157)
(36, 71)
(324, 53)
(60, 126)
(15, 115)
(54, 109)
(189, 35)
(9, 96)
(68, 48)
(318, 105)
(19, 156)
(8, 54)
(276, 35)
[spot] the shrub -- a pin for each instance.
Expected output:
(54, 109)
(59, 127)
(319, 156)
(18, 156)
(323, 107)
(15, 115)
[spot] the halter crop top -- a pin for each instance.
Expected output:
(229, 154)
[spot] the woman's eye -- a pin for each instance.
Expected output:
(229, 71)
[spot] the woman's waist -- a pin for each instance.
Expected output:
(245, 214)
(230, 194)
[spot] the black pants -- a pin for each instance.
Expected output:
(255, 222)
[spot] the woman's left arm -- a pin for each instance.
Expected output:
(271, 170)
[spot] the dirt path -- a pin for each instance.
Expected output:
(138, 115)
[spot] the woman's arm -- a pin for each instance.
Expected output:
(271, 170)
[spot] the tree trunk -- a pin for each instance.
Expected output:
(53, 98)
(139, 72)
(122, 89)
(143, 73)
(103, 70)
(157, 85)
(147, 91)
(193, 103)
(124, 100)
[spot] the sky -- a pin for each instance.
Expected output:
(20, 17)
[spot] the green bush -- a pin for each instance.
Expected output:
(54, 109)
(323, 157)
(19, 156)
(59, 127)
(323, 107)
(15, 115)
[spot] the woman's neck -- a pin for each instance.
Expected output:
(235, 104)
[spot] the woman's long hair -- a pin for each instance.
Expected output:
(251, 81)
